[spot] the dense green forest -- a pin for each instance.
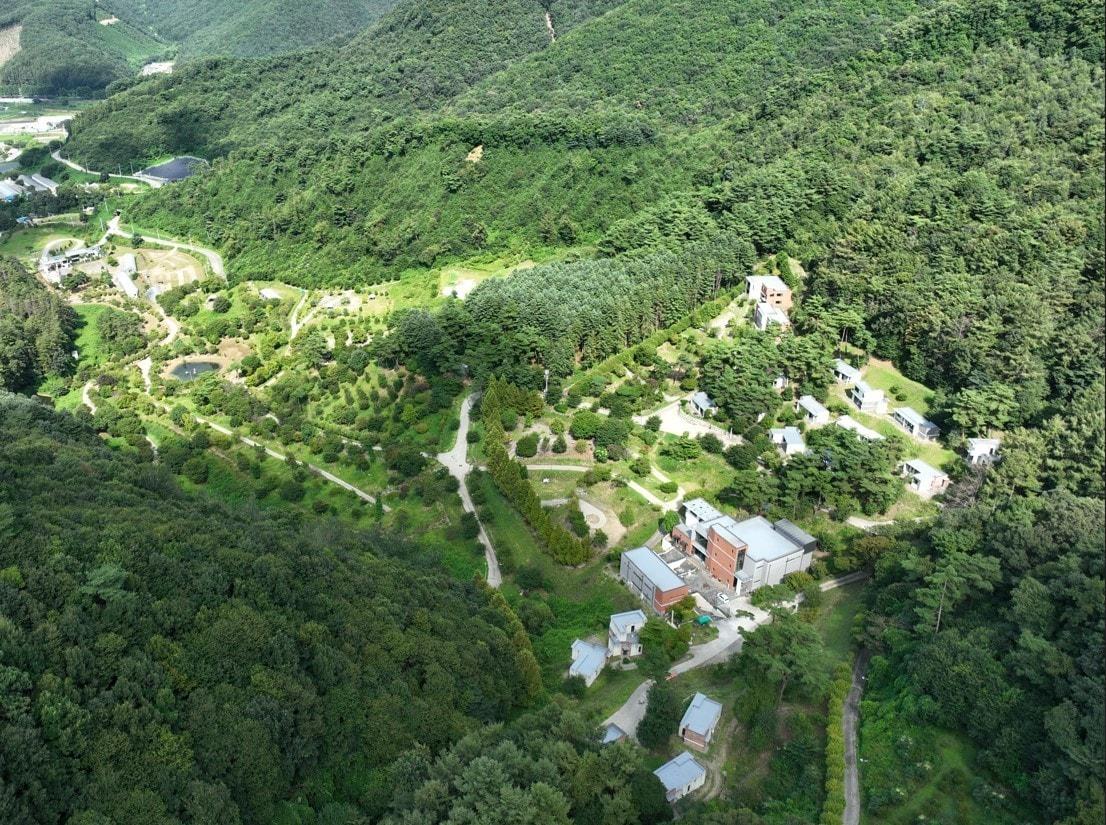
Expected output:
(65, 51)
(1014, 584)
(166, 659)
(934, 166)
(36, 330)
(231, 27)
(988, 134)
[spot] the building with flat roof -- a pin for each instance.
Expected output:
(923, 479)
(915, 423)
(813, 411)
(622, 634)
(867, 398)
(766, 315)
(769, 289)
(681, 776)
(646, 574)
(847, 422)
(587, 661)
(983, 450)
(744, 555)
(699, 721)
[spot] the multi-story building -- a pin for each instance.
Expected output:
(769, 289)
(622, 635)
(868, 399)
(744, 555)
(645, 573)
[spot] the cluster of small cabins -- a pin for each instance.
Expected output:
(589, 658)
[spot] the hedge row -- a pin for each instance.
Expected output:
(834, 807)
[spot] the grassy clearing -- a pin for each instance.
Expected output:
(581, 599)
(89, 344)
(553, 484)
(929, 451)
(27, 244)
(884, 376)
(915, 774)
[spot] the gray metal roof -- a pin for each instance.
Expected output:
(702, 400)
(622, 622)
(701, 715)
(813, 406)
(654, 568)
(846, 369)
(612, 733)
(794, 532)
(923, 469)
(788, 435)
(589, 660)
(679, 772)
(764, 543)
(916, 418)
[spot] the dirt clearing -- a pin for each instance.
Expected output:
(165, 269)
(9, 43)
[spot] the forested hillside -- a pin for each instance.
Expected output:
(64, 49)
(36, 330)
(231, 27)
(1014, 584)
(984, 182)
(167, 660)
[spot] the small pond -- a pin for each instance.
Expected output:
(188, 370)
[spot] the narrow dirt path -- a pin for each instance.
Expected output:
(849, 723)
(293, 317)
(86, 399)
(456, 461)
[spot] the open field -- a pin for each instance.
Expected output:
(27, 244)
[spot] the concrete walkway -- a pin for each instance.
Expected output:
(629, 716)
(456, 461)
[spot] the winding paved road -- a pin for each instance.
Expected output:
(214, 259)
(849, 722)
(457, 462)
(153, 183)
